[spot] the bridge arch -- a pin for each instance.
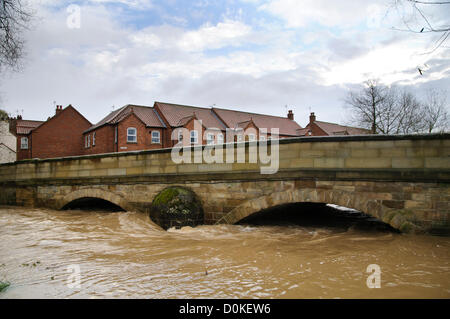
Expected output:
(397, 219)
(95, 193)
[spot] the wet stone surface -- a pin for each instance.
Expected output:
(176, 207)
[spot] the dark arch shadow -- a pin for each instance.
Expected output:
(316, 215)
(92, 204)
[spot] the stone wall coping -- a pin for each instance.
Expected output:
(379, 175)
(308, 139)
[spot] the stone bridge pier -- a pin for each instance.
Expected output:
(401, 180)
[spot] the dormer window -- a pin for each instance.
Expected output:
(131, 135)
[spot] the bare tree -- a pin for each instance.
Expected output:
(366, 104)
(409, 110)
(14, 19)
(391, 110)
(434, 112)
(416, 18)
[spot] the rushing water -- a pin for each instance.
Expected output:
(122, 255)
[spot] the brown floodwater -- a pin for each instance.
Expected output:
(122, 255)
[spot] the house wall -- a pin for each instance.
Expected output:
(144, 141)
(60, 136)
(315, 130)
(7, 155)
(104, 141)
(6, 137)
(22, 154)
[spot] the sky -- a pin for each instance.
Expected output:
(263, 56)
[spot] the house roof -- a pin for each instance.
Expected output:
(58, 114)
(302, 131)
(235, 119)
(26, 126)
(177, 114)
(337, 129)
(146, 114)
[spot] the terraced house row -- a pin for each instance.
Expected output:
(163, 125)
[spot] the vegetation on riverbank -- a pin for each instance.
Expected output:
(4, 285)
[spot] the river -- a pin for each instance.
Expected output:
(122, 255)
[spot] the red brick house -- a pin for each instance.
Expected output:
(59, 136)
(178, 117)
(242, 121)
(136, 127)
(163, 125)
(130, 128)
(319, 128)
(22, 130)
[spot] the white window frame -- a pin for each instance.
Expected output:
(220, 139)
(93, 138)
(210, 139)
(132, 135)
(24, 146)
(158, 138)
(194, 136)
(116, 133)
(262, 138)
(251, 137)
(89, 141)
(239, 138)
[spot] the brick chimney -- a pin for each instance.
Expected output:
(290, 115)
(19, 117)
(58, 109)
(312, 118)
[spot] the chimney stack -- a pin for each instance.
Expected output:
(290, 115)
(312, 118)
(19, 117)
(58, 109)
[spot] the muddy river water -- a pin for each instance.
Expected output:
(96, 254)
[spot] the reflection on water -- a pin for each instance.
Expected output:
(122, 255)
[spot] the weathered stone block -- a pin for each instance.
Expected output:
(368, 162)
(329, 162)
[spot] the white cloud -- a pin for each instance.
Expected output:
(341, 13)
(226, 33)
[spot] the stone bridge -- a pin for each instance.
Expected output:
(401, 180)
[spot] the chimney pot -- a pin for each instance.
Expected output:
(312, 118)
(58, 109)
(290, 115)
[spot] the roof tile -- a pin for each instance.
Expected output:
(176, 115)
(235, 119)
